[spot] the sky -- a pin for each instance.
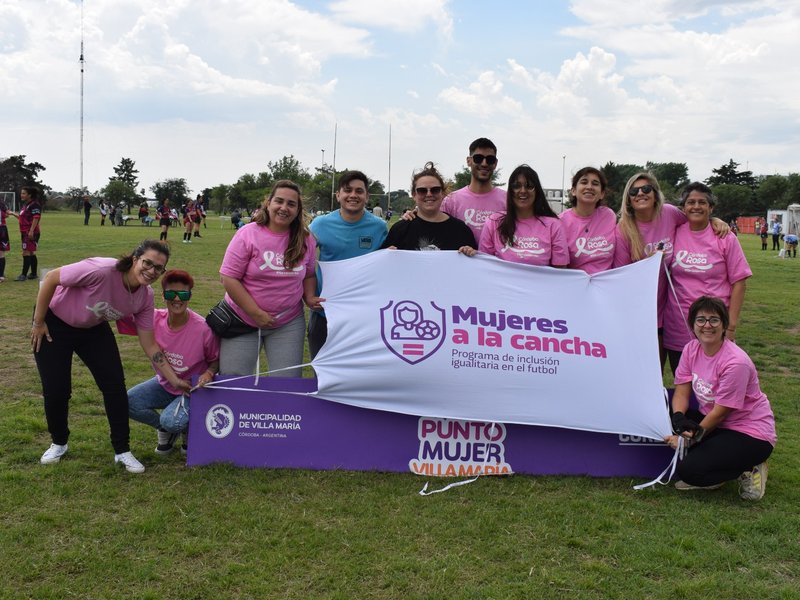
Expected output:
(208, 90)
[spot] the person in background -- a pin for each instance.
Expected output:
(103, 208)
(164, 219)
(528, 231)
(5, 241)
(763, 234)
(347, 232)
(775, 229)
(87, 209)
(702, 265)
(268, 272)
(29, 217)
(191, 349)
(199, 215)
(589, 226)
(733, 432)
(432, 229)
(73, 308)
(189, 213)
(790, 245)
(144, 212)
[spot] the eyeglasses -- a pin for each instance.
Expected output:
(423, 191)
(148, 264)
(182, 295)
(518, 186)
(646, 189)
(480, 158)
(713, 321)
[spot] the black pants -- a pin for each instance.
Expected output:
(97, 348)
(317, 332)
(776, 241)
(723, 455)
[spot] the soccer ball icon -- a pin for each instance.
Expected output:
(427, 330)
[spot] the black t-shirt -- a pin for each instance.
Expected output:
(425, 235)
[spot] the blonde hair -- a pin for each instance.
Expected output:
(627, 216)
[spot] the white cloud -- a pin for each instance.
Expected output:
(484, 96)
(398, 15)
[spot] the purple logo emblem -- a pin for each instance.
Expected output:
(409, 332)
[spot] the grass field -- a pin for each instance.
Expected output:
(83, 529)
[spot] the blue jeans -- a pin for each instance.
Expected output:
(145, 398)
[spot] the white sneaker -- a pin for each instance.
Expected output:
(53, 454)
(753, 484)
(129, 460)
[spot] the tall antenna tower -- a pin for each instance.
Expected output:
(81, 61)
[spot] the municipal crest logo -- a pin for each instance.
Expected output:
(219, 421)
(411, 332)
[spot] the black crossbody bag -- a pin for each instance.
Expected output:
(225, 323)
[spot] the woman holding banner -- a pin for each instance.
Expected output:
(74, 305)
(589, 226)
(647, 225)
(267, 272)
(431, 229)
(529, 231)
(703, 264)
(733, 432)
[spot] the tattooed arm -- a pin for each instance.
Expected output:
(147, 339)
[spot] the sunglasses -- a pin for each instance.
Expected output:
(148, 264)
(182, 295)
(423, 191)
(646, 189)
(518, 186)
(480, 158)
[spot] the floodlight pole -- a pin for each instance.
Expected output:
(82, 64)
(389, 177)
(333, 169)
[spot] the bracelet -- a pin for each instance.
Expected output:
(35, 324)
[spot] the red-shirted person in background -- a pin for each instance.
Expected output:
(29, 217)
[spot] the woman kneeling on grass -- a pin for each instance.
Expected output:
(74, 305)
(733, 433)
(190, 347)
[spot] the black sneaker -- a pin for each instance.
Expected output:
(166, 442)
(33, 276)
(21, 278)
(185, 442)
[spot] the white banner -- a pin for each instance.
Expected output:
(440, 334)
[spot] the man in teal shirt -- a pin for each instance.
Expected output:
(347, 232)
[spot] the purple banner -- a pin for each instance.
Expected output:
(278, 426)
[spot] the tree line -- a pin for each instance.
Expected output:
(739, 192)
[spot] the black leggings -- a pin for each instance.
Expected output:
(97, 348)
(723, 455)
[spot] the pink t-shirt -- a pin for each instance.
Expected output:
(92, 291)
(537, 241)
(702, 264)
(660, 230)
(590, 239)
(189, 349)
(729, 379)
(474, 208)
(255, 257)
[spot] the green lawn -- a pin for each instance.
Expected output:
(82, 529)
